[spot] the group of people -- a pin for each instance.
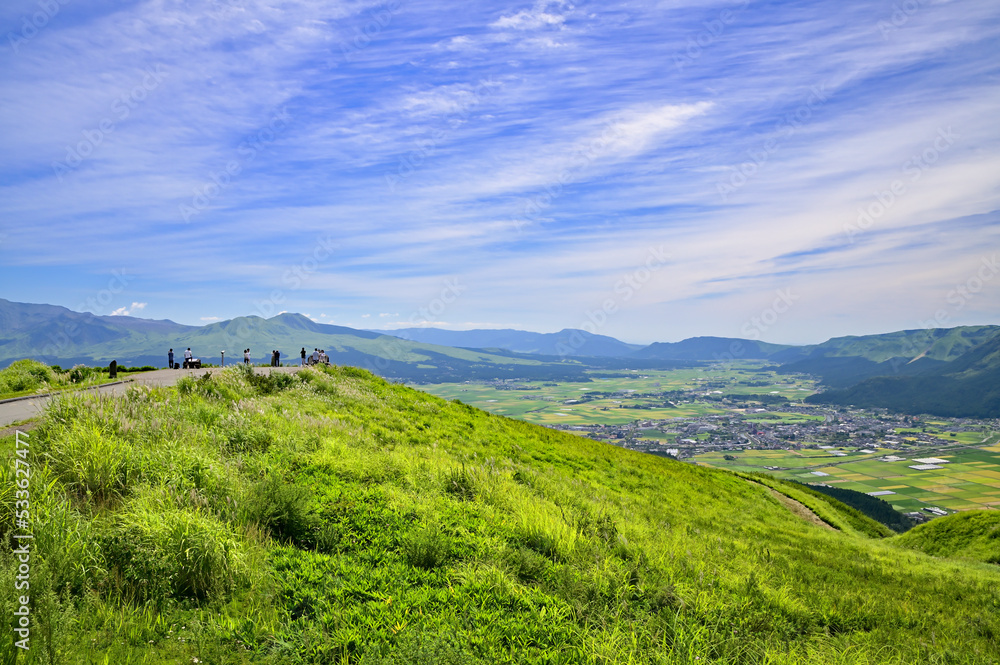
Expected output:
(316, 357)
(188, 359)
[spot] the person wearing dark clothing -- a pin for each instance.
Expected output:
(277, 358)
(303, 354)
(170, 359)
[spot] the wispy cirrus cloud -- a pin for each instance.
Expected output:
(539, 150)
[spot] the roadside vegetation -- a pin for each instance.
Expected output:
(332, 517)
(29, 377)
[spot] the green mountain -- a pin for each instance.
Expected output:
(56, 335)
(712, 348)
(968, 386)
(843, 361)
(569, 342)
(335, 517)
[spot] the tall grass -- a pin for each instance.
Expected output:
(25, 376)
(333, 517)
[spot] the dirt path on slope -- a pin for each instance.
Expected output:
(798, 509)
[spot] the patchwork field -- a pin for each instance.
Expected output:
(969, 479)
(548, 403)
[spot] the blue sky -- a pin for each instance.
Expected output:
(785, 171)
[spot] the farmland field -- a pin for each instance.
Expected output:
(637, 395)
(649, 400)
(969, 480)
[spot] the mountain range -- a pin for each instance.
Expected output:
(568, 342)
(943, 371)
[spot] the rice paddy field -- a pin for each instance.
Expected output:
(963, 478)
(638, 395)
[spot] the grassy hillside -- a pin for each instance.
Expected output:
(973, 534)
(334, 517)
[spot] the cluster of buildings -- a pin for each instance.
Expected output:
(761, 428)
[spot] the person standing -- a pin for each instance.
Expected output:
(246, 356)
(170, 359)
(277, 357)
(187, 358)
(303, 355)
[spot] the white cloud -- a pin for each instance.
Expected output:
(129, 310)
(535, 18)
(615, 146)
(209, 319)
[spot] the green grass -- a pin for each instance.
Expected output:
(973, 535)
(30, 377)
(333, 517)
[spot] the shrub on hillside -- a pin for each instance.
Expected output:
(92, 462)
(282, 509)
(158, 551)
(22, 375)
(426, 548)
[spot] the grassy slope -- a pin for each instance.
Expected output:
(973, 535)
(345, 519)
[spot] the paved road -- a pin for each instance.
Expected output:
(24, 409)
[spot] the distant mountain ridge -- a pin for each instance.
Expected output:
(950, 372)
(723, 349)
(567, 342)
(56, 335)
(968, 386)
(844, 361)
